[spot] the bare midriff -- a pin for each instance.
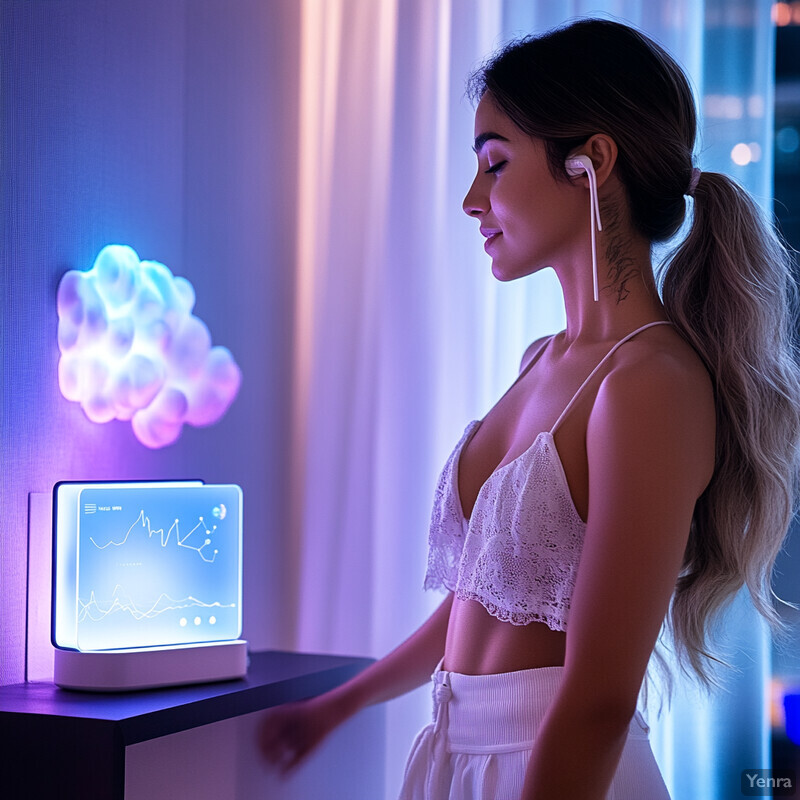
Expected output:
(480, 644)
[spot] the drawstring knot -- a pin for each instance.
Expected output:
(443, 693)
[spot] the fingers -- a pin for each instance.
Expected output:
(284, 739)
(285, 757)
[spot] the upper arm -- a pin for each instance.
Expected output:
(650, 449)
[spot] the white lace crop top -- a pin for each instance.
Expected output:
(519, 551)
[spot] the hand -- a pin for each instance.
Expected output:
(289, 733)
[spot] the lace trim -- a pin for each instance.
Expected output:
(555, 621)
(518, 555)
(448, 527)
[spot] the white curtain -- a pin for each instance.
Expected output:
(403, 335)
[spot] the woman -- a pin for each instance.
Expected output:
(642, 466)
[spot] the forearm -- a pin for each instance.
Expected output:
(407, 667)
(575, 756)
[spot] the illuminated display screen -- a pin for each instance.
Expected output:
(146, 565)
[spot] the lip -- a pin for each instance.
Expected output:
(491, 235)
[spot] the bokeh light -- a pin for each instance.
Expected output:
(745, 153)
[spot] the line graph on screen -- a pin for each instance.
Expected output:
(199, 531)
(95, 610)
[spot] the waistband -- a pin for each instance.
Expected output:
(499, 713)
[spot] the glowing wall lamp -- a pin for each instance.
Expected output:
(131, 349)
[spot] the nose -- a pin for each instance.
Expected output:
(475, 202)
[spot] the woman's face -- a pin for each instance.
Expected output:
(530, 220)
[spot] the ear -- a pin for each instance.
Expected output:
(602, 150)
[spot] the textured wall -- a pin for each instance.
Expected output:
(169, 127)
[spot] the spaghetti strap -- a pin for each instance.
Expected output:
(603, 361)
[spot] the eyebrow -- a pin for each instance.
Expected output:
(482, 138)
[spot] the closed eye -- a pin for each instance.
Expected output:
(495, 167)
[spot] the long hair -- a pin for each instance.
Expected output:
(727, 288)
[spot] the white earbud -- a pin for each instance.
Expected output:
(575, 166)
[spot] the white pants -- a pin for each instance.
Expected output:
(483, 729)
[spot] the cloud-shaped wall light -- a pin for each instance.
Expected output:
(131, 349)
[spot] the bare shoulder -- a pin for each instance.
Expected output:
(663, 361)
(532, 350)
(658, 352)
(659, 389)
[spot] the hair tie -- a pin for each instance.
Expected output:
(693, 182)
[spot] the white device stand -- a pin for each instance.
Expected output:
(150, 667)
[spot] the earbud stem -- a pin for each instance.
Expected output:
(575, 166)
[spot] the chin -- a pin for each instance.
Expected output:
(504, 275)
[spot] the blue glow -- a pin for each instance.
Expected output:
(132, 350)
(791, 707)
(146, 565)
(788, 139)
